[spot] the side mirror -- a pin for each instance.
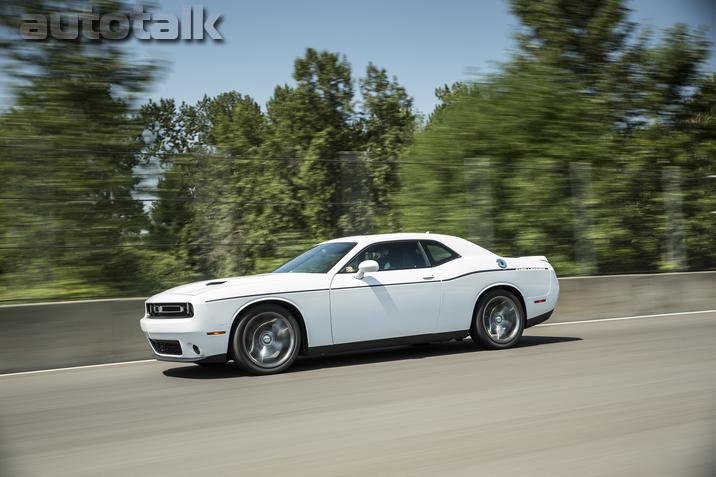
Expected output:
(366, 266)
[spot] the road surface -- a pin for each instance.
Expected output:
(633, 397)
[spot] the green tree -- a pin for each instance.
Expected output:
(311, 123)
(199, 149)
(243, 189)
(583, 87)
(68, 154)
(172, 135)
(387, 126)
(236, 192)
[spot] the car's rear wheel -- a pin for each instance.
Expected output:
(267, 340)
(499, 320)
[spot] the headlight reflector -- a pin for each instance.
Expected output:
(170, 310)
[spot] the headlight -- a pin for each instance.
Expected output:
(170, 310)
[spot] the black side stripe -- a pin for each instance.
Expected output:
(479, 271)
(369, 286)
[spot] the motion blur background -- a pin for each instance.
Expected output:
(591, 139)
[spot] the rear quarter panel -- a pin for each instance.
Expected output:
(466, 279)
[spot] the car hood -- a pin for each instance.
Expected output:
(267, 283)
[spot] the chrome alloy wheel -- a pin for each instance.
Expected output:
(269, 339)
(501, 319)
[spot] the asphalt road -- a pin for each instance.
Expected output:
(602, 398)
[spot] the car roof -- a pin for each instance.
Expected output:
(459, 245)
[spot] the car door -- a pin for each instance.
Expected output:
(401, 299)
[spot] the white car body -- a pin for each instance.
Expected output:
(338, 310)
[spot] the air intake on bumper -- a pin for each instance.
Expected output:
(166, 347)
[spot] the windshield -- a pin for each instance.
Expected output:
(319, 259)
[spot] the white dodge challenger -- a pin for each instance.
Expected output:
(353, 293)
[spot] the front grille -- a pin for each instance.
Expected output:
(166, 346)
(170, 310)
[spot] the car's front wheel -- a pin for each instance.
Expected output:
(499, 320)
(266, 340)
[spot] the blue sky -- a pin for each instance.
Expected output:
(424, 43)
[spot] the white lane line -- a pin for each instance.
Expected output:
(39, 371)
(638, 317)
(623, 318)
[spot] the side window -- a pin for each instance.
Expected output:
(438, 253)
(391, 256)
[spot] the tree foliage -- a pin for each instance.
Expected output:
(586, 89)
(68, 156)
(242, 188)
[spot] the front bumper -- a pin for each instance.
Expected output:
(184, 340)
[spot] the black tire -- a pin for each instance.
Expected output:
(267, 340)
(499, 320)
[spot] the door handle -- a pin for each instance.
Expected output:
(428, 277)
